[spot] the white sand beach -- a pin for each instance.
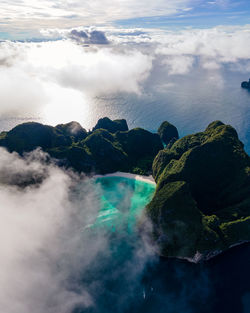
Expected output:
(147, 179)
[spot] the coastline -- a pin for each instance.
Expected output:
(146, 179)
(199, 257)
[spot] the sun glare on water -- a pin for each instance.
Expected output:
(65, 105)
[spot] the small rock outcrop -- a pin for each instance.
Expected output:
(245, 85)
(111, 126)
(168, 133)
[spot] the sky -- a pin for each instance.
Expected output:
(22, 19)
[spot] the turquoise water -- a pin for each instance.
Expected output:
(122, 201)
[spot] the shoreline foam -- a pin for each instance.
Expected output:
(146, 179)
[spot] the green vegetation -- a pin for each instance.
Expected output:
(2, 136)
(111, 126)
(141, 146)
(202, 200)
(168, 133)
(103, 150)
(28, 136)
(73, 130)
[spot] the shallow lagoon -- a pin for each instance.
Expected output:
(122, 202)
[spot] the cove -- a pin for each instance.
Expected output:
(126, 277)
(122, 201)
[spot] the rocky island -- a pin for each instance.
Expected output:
(246, 85)
(201, 205)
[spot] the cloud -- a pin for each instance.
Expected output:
(107, 73)
(179, 65)
(64, 80)
(20, 93)
(212, 48)
(51, 261)
(95, 37)
(60, 78)
(16, 171)
(39, 240)
(30, 15)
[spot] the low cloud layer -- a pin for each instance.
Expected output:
(214, 47)
(40, 235)
(51, 261)
(62, 76)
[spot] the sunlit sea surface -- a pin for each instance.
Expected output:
(189, 101)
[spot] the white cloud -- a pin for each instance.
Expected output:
(60, 78)
(39, 238)
(51, 261)
(210, 64)
(179, 64)
(20, 93)
(214, 47)
(106, 72)
(35, 14)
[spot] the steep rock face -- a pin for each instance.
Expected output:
(105, 151)
(141, 146)
(111, 126)
(72, 129)
(168, 133)
(202, 201)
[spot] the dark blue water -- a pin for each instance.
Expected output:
(173, 286)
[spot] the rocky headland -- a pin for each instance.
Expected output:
(201, 206)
